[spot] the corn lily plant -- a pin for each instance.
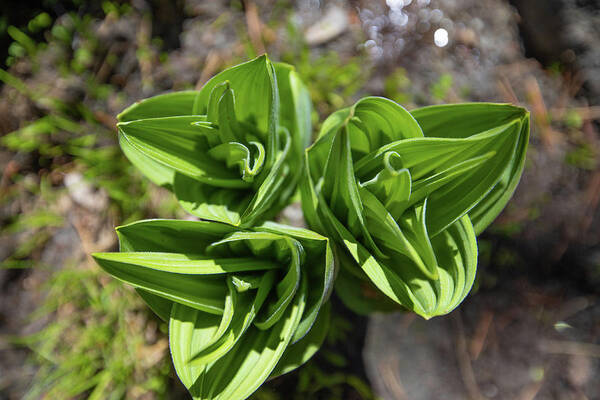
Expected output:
(230, 152)
(400, 195)
(405, 194)
(242, 305)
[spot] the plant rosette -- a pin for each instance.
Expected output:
(242, 305)
(230, 152)
(404, 194)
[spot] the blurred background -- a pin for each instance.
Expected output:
(529, 330)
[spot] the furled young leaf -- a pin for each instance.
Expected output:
(397, 191)
(229, 151)
(235, 299)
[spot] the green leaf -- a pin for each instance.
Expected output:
(413, 223)
(488, 208)
(210, 202)
(192, 264)
(392, 185)
(381, 275)
(287, 287)
(464, 120)
(212, 108)
(284, 290)
(455, 199)
(398, 190)
(189, 332)
(456, 250)
(249, 162)
(469, 119)
(176, 142)
(158, 173)
(267, 194)
(319, 255)
(356, 290)
(300, 352)
(169, 235)
(200, 292)
(229, 127)
(246, 309)
(253, 86)
(231, 303)
(295, 107)
(459, 173)
(424, 187)
(340, 188)
(294, 117)
(138, 237)
(244, 368)
(164, 105)
(422, 156)
(404, 282)
(383, 121)
(159, 305)
(317, 155)
(387, 232)
(310, 201)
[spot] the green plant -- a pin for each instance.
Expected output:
(242, 305)
(230, 152)
(404, 195)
